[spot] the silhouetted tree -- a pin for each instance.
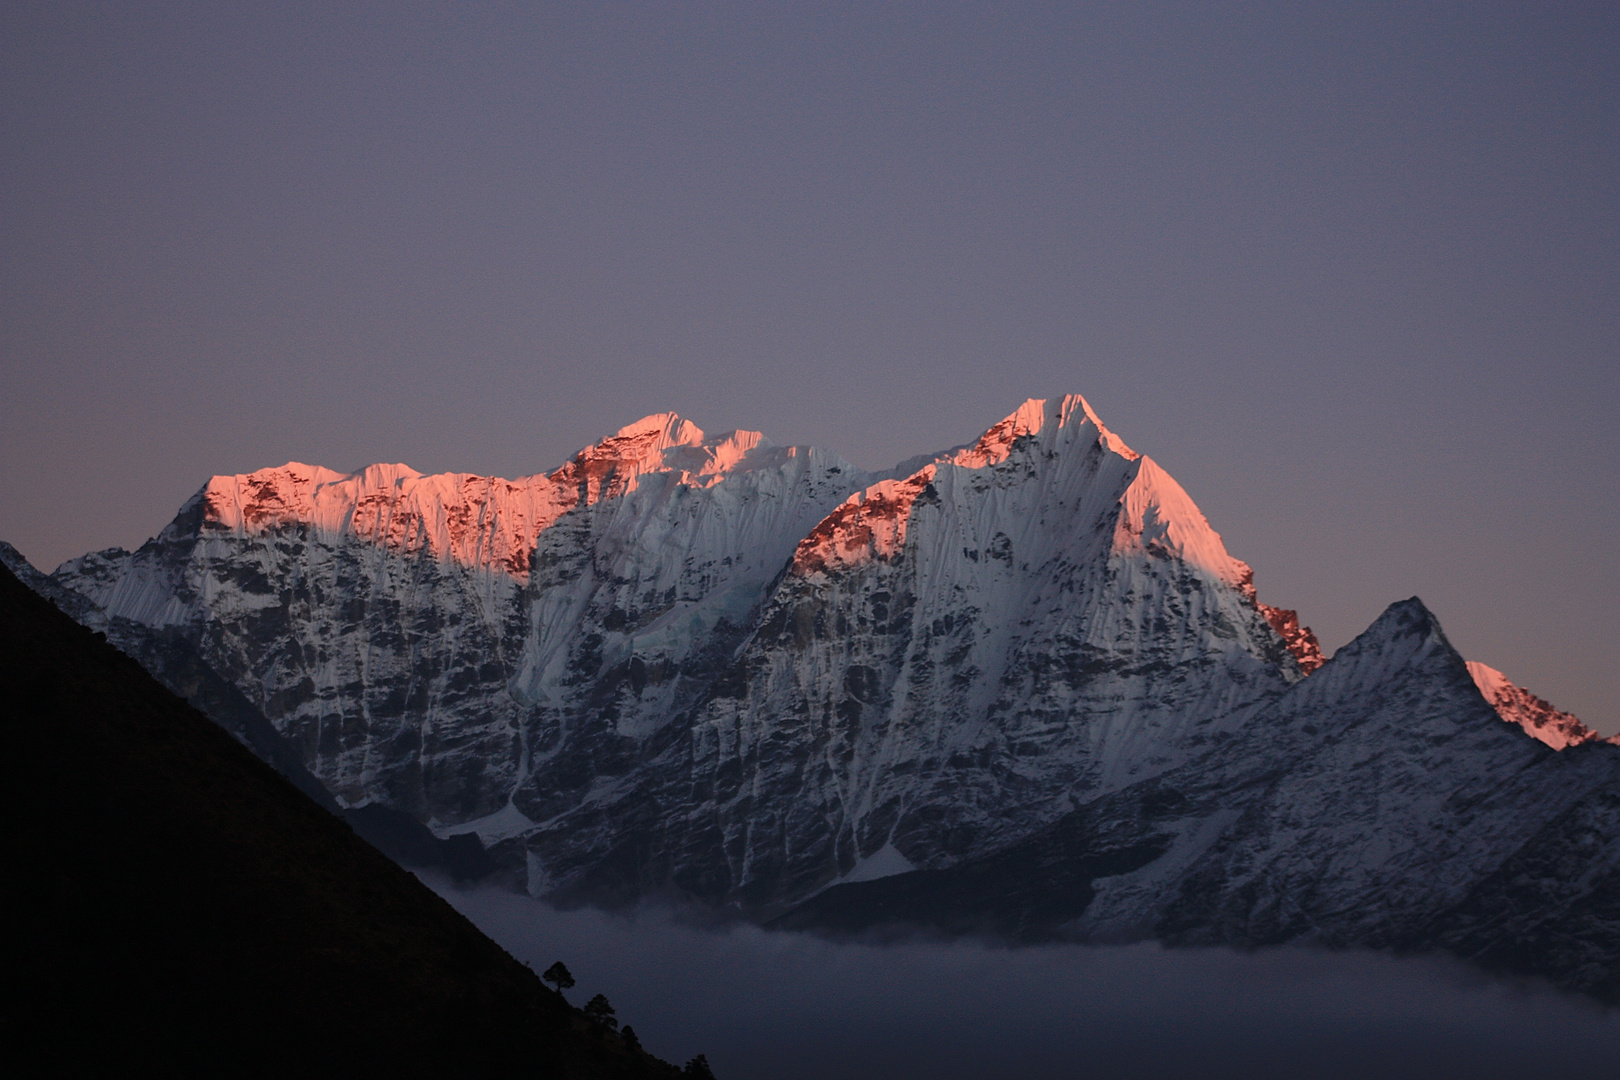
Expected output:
(558, 973)
(631, 1043)
(599, 1010)
(698, 1069)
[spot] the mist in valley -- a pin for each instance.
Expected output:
(784, 1006)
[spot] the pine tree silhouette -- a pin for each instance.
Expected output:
(599, 1010)
(631, 1042)
(558, 973)
(698, 1069)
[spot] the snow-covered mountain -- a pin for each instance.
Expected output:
(418, 637)
(761, 676)
(1379, 803)
(951, 654)
(1539, 719)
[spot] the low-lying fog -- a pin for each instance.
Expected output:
(780, 1006)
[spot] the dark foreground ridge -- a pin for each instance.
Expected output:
(176, 904)
(175, 663)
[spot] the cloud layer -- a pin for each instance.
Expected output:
(777, 1006)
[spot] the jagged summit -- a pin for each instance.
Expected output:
(485, 522)
(1152, 514)
(1403, 630)
(668, 427)
(1037, 417)
(657, 443)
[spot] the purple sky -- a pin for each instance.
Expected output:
(1351, 273)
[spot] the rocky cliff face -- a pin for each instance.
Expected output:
(759, 675)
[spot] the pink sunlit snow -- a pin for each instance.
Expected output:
(479, 521)
(1537, 717)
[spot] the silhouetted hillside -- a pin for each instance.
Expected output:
(174, 903)
(175, 663)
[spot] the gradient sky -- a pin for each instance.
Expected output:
(1351, 273)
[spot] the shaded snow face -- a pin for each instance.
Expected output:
(785, 1006)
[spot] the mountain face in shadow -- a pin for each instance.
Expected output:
(1376, 804)
(174, 904)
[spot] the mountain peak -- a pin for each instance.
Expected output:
(1539, 719)
(665, 421)
(661, 430)
(641, 445)
(1036, 416)
(1404, 618)
(872, 523)
(662, 441)
(1404, 632)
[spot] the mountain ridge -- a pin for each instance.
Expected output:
(753, 675)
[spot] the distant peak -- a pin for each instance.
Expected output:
(1404, 618)
(657, 443)
(387, 474)
(306, 474)
(1406, 635)
(1536, 716)
(1409, 613)
(638, 447)
(1074, 403)
(670, 425)
(1044, 417)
